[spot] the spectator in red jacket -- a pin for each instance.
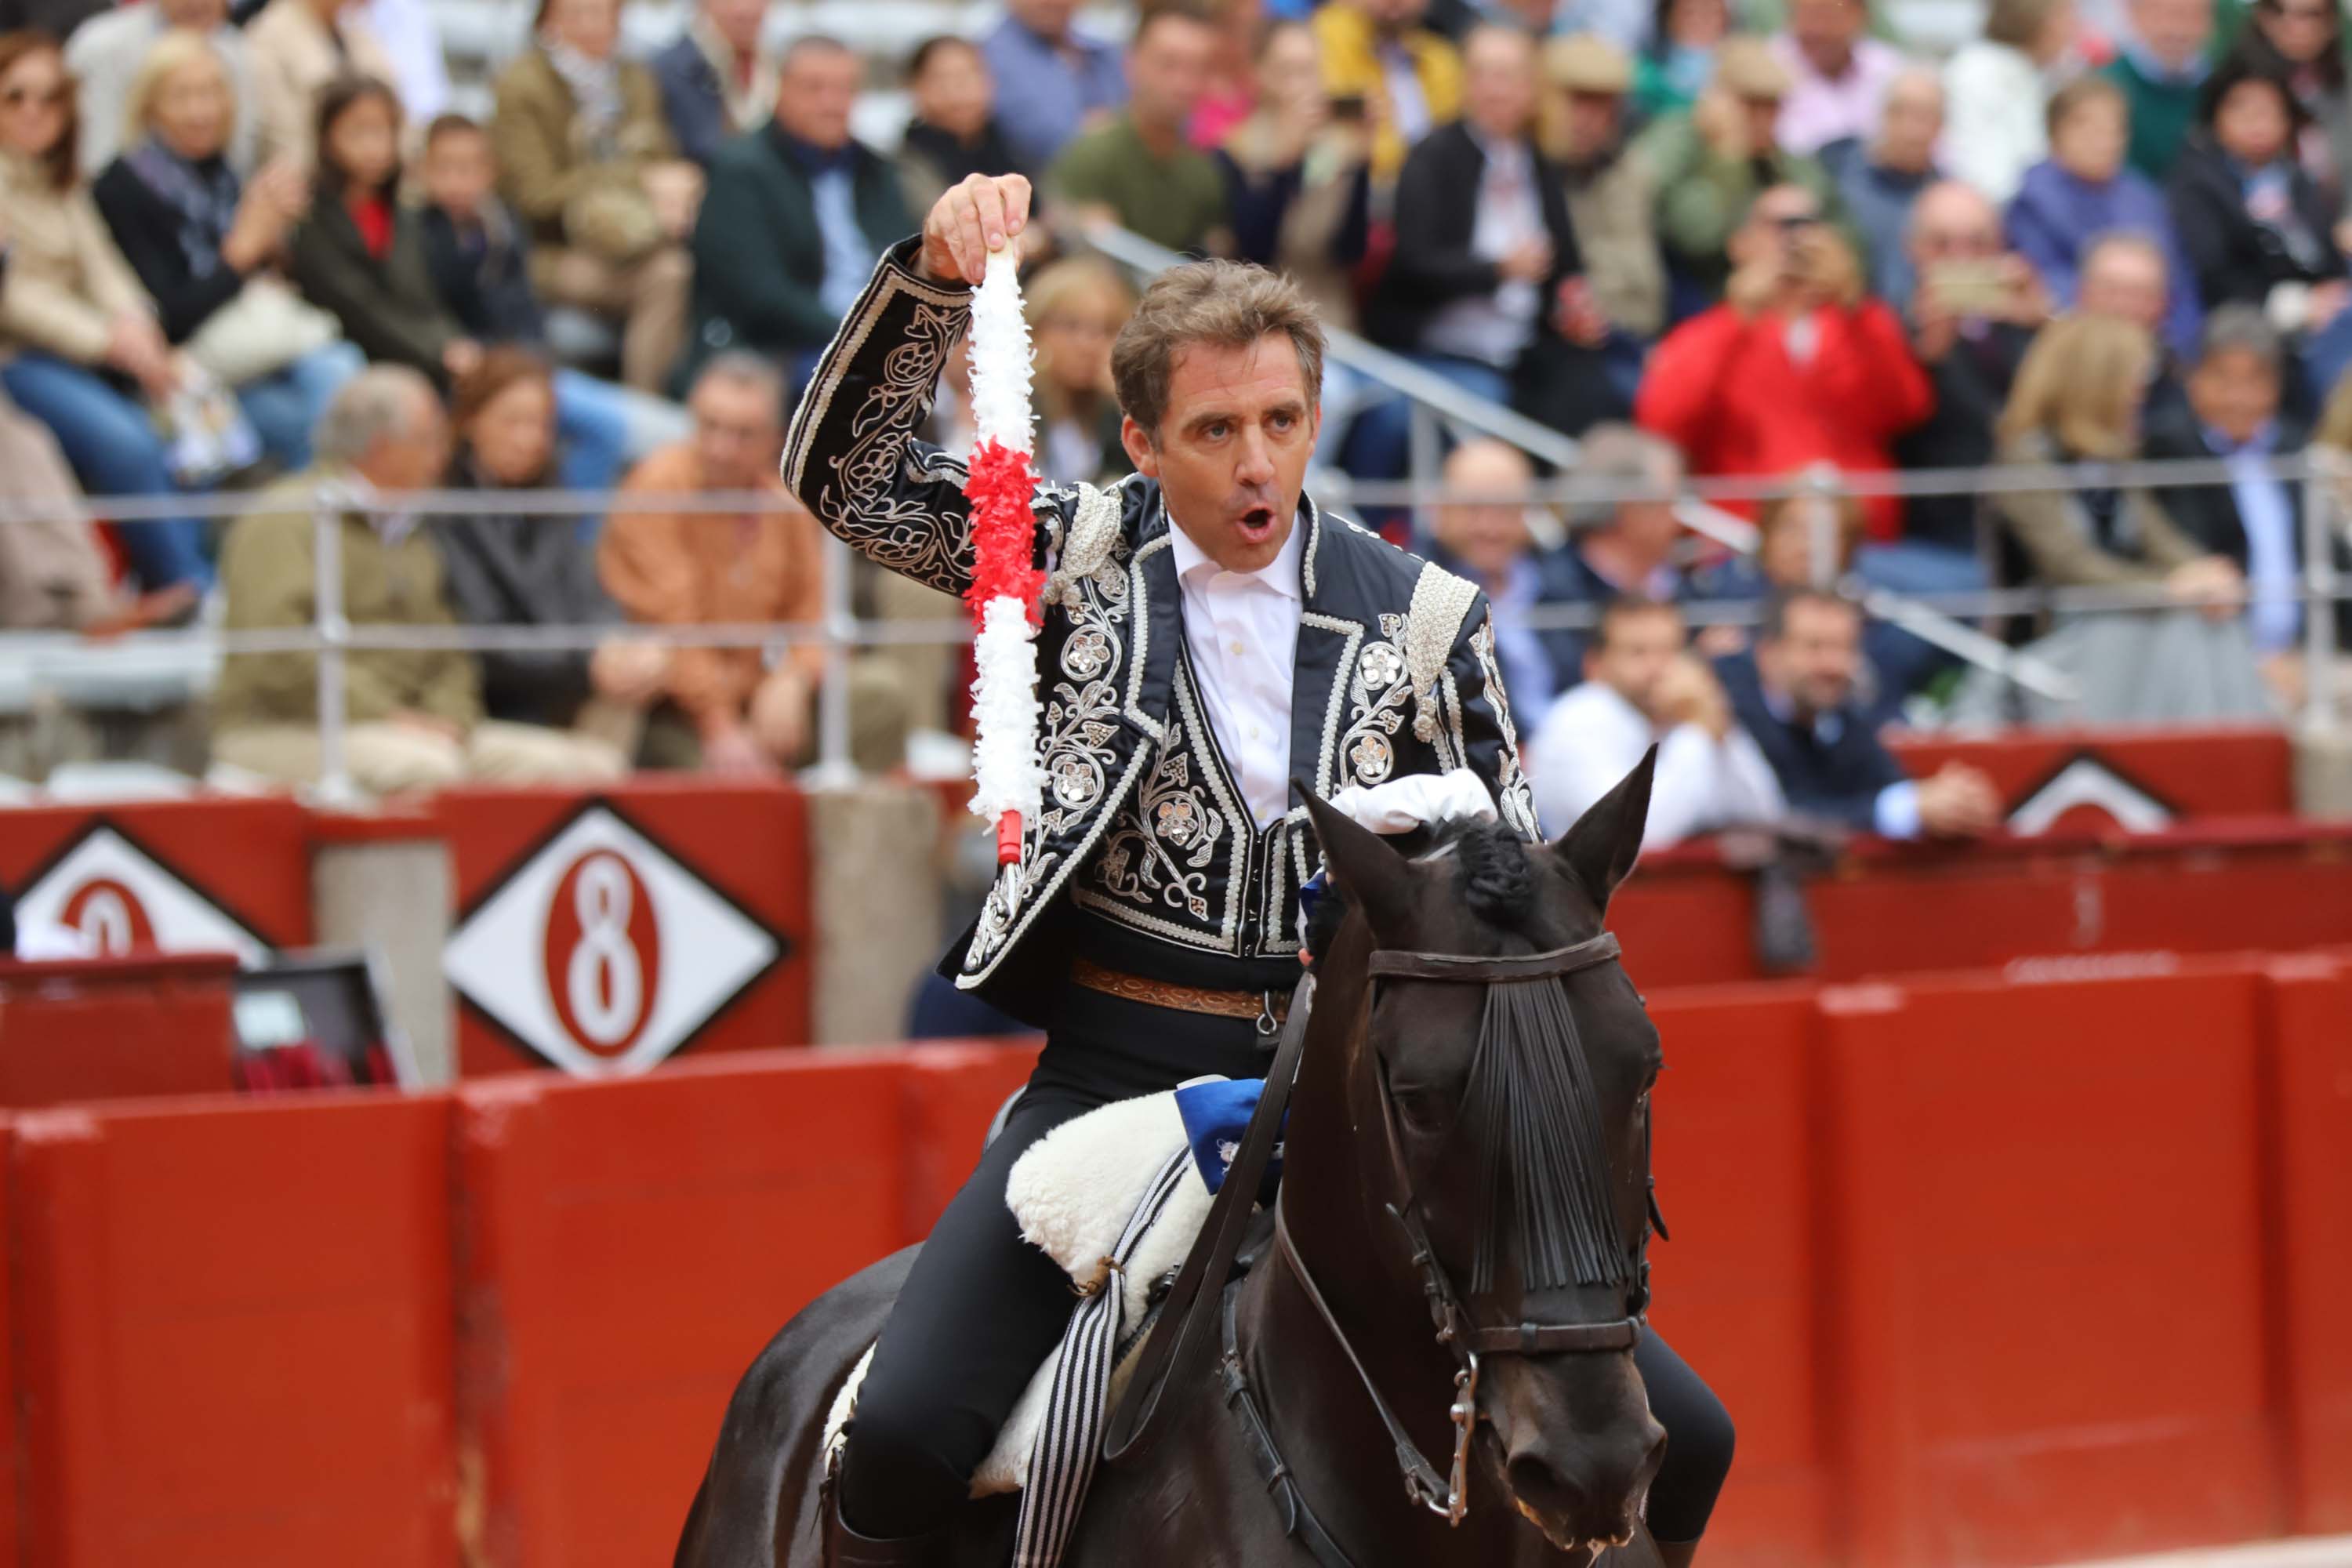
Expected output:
(1795, 366)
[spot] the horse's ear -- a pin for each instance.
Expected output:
(1363, 864)
(1600, 849)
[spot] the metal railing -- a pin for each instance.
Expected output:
(1943, 619)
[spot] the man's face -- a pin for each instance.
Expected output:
(201, 16)
(2235, 391)
(1634, 655)
(2175, 31)
(1231, 451)
(1827, 30)
(1952, 222)
(1487, 533)
(1779, 216)
(815, 94)
(1168, 73)
(1499, 82)
(2127, 282)
(738, 430)
(2089, 143)
(953, 92)
(459, 173)
(1593, 122)
(1813, 661)
(591, 26)
(415, 456)
(737, 22)
(1910, 122)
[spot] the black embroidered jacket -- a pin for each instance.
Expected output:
(1144, 856)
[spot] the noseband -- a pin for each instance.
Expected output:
(1449, 1495)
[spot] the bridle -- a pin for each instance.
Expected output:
(1449, 1495)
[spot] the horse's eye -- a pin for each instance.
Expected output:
(1423, 1111)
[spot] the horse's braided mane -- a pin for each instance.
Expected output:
(1543, 1186)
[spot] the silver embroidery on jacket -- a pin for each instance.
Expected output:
(1380, 690)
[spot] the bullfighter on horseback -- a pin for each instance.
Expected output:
(1210, 634)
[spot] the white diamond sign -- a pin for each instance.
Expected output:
(601, 952)
(121, 899)
(2088, 782)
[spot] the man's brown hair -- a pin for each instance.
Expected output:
(1215, 304)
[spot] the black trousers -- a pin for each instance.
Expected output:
(982, 1309)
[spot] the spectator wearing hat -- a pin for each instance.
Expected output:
(2083, 190)
(1880, 184)
(1709, 165)
(1610, 197)
(1999, 87)
(1837, 74)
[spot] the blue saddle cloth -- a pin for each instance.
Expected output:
(1216, 1114)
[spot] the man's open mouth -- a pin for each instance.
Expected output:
(1256, 525)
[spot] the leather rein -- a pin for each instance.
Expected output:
(1448, 1495)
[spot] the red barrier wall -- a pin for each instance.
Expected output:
(2046, 1214)
(233, 1334)
(627, 1248)
(1735, 1287)
(12, 1450)
(115, 1028)
(2311, 1038)
(2223, 771)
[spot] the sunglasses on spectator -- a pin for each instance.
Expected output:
(2303, 13)
(1793, 222)
(49, 98)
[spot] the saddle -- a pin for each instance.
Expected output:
(1074, 1193)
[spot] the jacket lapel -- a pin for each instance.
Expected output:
(1158, 624)
(1324, 661)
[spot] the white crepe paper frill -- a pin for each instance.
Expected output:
(1000, 357)
(1005, 776)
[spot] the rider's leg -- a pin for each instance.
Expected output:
(981, 1310)
(1698, 1450)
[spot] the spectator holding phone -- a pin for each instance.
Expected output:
(1298, 176)
(1797, 366)
(1972, 316)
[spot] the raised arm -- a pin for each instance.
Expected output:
(852, 456)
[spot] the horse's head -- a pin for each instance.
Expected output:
(1518, 1142)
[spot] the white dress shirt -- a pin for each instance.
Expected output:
(1240, 633)
(1592, 738)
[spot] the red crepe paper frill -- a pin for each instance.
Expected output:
(1003, 530)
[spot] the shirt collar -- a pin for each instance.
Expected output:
(1194, 569)
(813, 159)
(2264, 441)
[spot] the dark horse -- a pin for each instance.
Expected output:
(1417, 1121)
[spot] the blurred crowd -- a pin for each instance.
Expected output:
(252, 246)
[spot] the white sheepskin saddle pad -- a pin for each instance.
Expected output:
(1074, 1191)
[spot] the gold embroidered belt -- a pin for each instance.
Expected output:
(1181, 998)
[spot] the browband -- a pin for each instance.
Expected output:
(1402, 963)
